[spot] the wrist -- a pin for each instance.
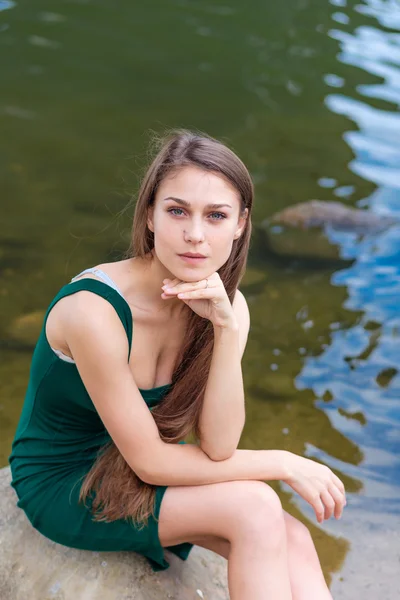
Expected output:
(228, 326)
(287, 460)
(279, 461)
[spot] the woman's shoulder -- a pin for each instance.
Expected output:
(95, 302)
(115, 270)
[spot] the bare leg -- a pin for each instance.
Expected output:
(258, 564)
(306, 577)
(248, 514)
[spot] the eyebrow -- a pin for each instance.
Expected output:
(186, 203)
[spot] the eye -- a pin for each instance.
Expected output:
(221, 216)
(171, 209)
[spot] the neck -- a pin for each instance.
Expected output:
(145, 282)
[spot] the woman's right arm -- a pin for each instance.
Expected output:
(98, 344)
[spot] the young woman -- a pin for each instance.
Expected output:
(137, 354)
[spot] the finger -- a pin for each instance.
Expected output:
(339, 499)
(205, 293)
(171, 282)
(339, 483)
(178, 287)
(171, 290)
(176, 290)
(329, 503)
(190, 286)
(312, 496)
(314, 499)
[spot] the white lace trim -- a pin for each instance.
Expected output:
(107, 279)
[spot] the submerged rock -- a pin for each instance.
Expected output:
(318, 213)
(301, 230)
(25, 329)
(34, 568)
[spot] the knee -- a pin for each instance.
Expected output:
(299, 538)
(258, 511)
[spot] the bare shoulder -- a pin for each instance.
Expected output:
(86, 300)
(91, 313)
(242, 313)
(240, 306)
(239, 297)
(84, 314)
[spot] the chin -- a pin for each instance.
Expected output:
(190, 273)
(193, 274)
(185, 271)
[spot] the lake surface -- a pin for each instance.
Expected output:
(308, 94)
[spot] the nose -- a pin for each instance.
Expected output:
(195, 233)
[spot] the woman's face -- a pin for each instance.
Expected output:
(183, 222)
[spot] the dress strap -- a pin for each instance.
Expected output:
(105, 291)
(102, 275)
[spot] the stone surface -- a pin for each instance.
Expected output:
(34, 568)
(25, 329)
(318, 213)
(372, 568)
(301, 230)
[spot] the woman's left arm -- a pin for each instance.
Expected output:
(223, 413)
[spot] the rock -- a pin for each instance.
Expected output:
(317, 213)
(300, 231)
(25, 329)
(371, 568)
(34, 568)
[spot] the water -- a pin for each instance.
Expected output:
(308, 94)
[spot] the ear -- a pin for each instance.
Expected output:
(241, 224)
(150, 218)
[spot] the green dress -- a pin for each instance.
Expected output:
(58, 437)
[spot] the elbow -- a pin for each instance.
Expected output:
(153, 477)
(152, 472)
(144, 473)
(147, 472)
(147, 477)
(218, 452)
(217, 455)
(150, 467)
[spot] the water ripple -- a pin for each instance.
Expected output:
(7, 4)
(359, 368)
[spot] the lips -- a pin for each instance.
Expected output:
(190, 255)
(193, 260)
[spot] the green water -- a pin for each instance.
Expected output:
(83, 85)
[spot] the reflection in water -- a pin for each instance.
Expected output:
(359, 369)
(5, 4)
(354, 373)
(373, 281)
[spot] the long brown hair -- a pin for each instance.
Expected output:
(116, 490)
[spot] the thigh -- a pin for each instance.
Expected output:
(217, 509)
(216, 544)
(298, 539)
